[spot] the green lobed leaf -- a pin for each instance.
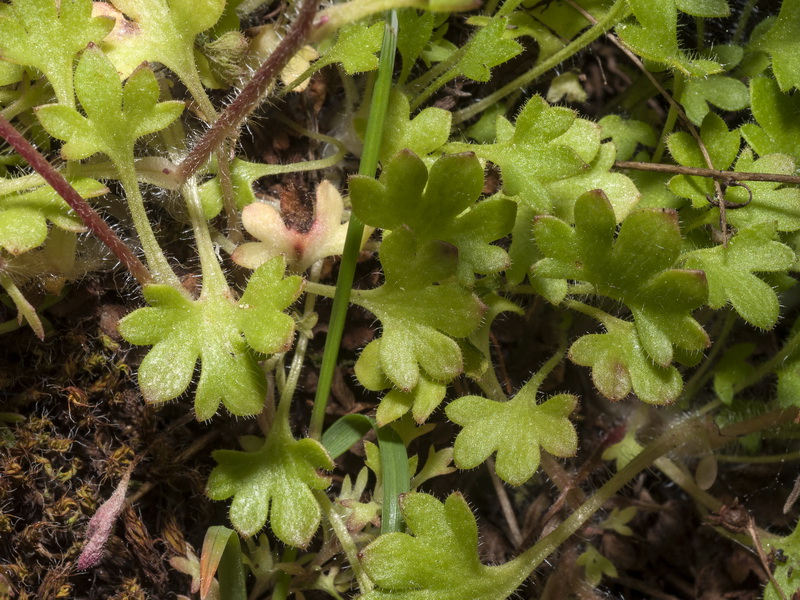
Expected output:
(421, 309)
(596, 565)
(515, 430)
(356, 48)
(722, 146)
(547, 144)
(422, 135)
(729, 272)
(627, 134)
(488, 48)
(635, 268)
(620, 365)
(782, 42)
(357, 513)
(421, 401)
(438, 560)
(439, 206)
(115, 116)
(655, 35)
(619, 189)
(24, 216)
(776, 114)
(161, 31)
(225, 335)
(724, 92)
(275, 482)
(438, 463)
(413, 34)
(772, 202)
(426, 396)
(48, 35)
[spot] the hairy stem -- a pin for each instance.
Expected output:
(93, 221)
(162, 272)
(673, 438)
(614, 15)
(214, 281)
(249, 98)
(346, 541)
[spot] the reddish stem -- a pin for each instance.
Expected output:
(93, 221)
(248, 99)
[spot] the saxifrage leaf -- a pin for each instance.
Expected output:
(275, 482)
(47, 35)
(225, 335)
(782, 42)
(24, 216)
(655, 36)
(438, 559)
(115, 116)
(620, 364)
(515, 430)
(634, 267)
(776, 114)
(438, 206)
(729, 271)
(162, 31)
(421, 309)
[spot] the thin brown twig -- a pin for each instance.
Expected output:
(501, 363)
(505, 505)
(93, 221)
(753, 533)
(701, 172)
(248, 99)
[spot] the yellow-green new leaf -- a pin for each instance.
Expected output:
(515, 430)
(48, 35)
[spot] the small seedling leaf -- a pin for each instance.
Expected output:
(355, 48)
(596, 566)
(274, 481)
(730, 273)
(437, 559)
(515, 430)
(225, 335)
(115, 116)
(489, 47)
(48, 35)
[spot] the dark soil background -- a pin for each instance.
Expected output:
(75, 422)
